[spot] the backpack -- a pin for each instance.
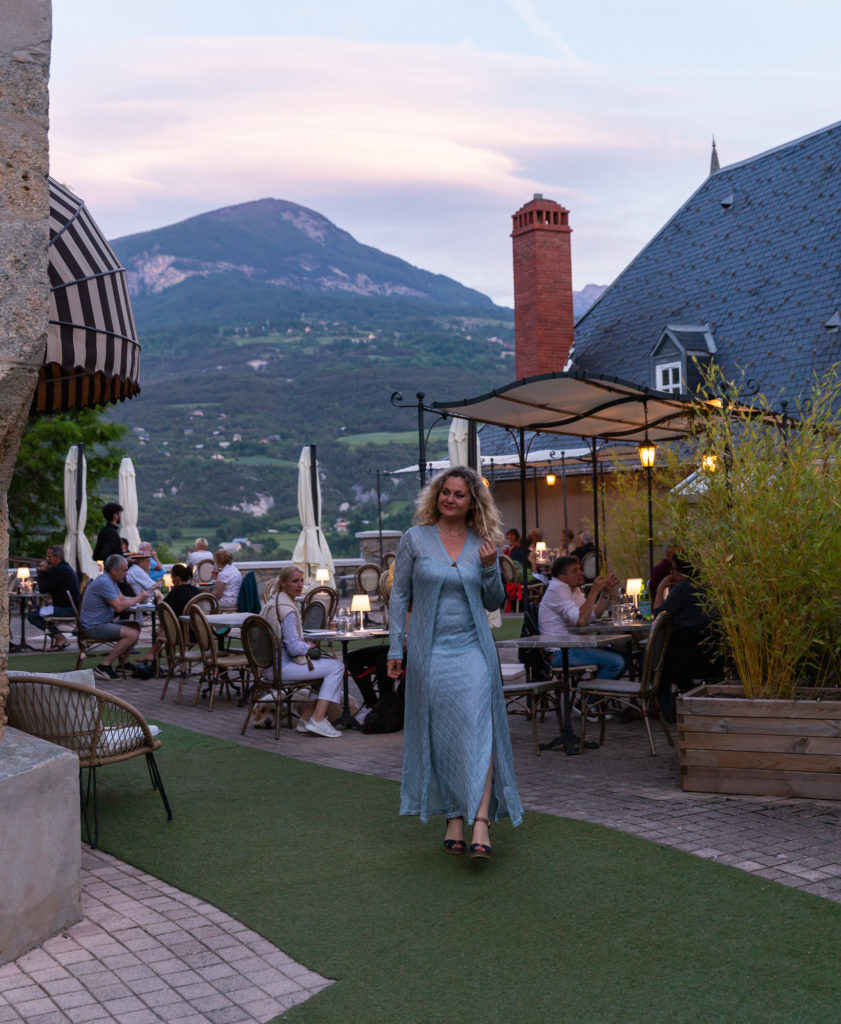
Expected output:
(535, 660)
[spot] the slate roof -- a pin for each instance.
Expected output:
(756, 253)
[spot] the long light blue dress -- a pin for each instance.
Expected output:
(455, 719)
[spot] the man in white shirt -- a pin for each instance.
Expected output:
(564, 604)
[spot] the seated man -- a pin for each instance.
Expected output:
(101, 602)
(56, 577)
(138, 575)
(564, 605)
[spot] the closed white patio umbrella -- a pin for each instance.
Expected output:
(127, 488)
(77, 549)
(457, 444)
(457, 447)
(311, 551)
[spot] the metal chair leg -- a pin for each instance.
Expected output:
(157, 783)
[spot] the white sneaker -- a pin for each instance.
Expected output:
(302, 725)
(322, 728)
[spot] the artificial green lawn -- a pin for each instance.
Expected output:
(567, 922)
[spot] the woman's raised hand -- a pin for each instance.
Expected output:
(487, 553)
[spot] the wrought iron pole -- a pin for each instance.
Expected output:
(421, 440)
(564, 489)
(596, 503)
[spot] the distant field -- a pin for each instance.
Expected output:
(265, 460)
(391, 437)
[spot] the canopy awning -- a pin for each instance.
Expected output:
(580, 405)
(92, 355)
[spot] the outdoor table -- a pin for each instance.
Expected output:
(25, 601)
(637, 630)
(346, 720)
(568, 740)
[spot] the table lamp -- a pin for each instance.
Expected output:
(322, 576)
(633, 588)
(540, 550)
(23, 578)
(361, 603)
(167, 580)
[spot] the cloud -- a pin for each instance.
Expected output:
(422, 150)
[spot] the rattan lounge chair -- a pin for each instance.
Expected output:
(99, 728)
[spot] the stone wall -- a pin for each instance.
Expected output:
(39, 840)
(24, 235)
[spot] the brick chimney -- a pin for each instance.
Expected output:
(543, 321)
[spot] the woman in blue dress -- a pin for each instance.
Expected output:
(456, 750)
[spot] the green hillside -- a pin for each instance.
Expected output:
(265, 328)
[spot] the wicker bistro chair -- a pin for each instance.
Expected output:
(216, 667)
(314, 615)
(58, 620)
(324, 595)
(386, 579)
(98, 727)
(208, 604)
(179, 659)
(203, 572)
(641, 693)
(270, 588)
(87, 644)
(261, 648)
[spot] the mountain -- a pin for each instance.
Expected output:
(277, 254)
(582, 300)
(265, 327)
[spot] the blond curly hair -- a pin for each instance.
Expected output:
(483, 515)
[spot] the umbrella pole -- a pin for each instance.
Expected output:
(523, 549)
(80, 469)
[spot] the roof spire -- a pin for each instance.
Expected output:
(714, 164)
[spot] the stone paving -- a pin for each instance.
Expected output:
(146, 952)
(794, 842)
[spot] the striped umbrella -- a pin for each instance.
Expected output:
(92, 356)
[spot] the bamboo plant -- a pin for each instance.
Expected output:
(764, 532)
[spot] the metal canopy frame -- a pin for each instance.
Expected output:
(598, 407)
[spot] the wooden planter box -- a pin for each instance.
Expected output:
(729, 744)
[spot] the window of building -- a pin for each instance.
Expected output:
(668, 378)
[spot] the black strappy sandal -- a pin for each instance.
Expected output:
(480, 851)
(455, 845)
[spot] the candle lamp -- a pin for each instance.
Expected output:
(633, 588)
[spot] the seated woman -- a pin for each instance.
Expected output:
(199, 552)
(228, 581)
(282, 614)
(180, 593)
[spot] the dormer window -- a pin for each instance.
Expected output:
(668, 378)
(680, 356)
